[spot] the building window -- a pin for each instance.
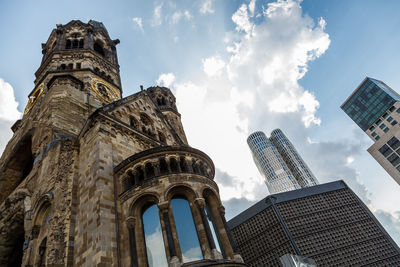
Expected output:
(389, 119)
(385, 150)
(394, 143)
(186, 230)
(213, 228)
(385, 115)
(398, 168)
(378, 121)
(373, 134)
(386, 130)
(394, 159)
(155, 248)
(391, 109)
(382, 126)
(398, 110)
(377, 138)
(372, 128)
(98, 48)
(394, 122)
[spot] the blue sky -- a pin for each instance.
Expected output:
(236, 67)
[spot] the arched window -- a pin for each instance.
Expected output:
(98, 48)
(183, 165)
(211, 223)
(42, 253)
(81, 43)
(149, 170)
(163, 167)
(68, 44)
(140, 173)
(75, 44)
(173, 164)
(155, 249)
(186, 230)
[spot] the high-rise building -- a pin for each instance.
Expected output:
(327, 223)
(375, 108)
(279, 163)
(93, 179)
(270, 164)
(296, 164)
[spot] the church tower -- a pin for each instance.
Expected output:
(93, 179)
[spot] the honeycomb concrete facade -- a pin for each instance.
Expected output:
(327, 223)
(84, 163)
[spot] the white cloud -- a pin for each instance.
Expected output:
(8, 105)
(157, 19)
(241, 19)
(178, 15)
(207, 7)
(252, 7)
(166, 79)
(213, 66)
(138, 22)
(8, 112)
(254, 88)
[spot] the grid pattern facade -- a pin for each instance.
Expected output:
(327, 223)
(271, 165)
(296, 164)
(369, 101)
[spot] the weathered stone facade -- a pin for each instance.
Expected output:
(84, 163)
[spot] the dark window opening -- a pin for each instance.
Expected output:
(16, 254)
(173, 164)
(70, 66)
(68, 44)
(163, 167)
(63, 66)
(183, 165)
(134, 123)
(78, 65)
(81, 43)
(98, 48)
(75, 44)
(149, 170)
(140, 174)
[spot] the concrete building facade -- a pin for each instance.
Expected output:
(93, 179)
(327, 223)
(375, 108)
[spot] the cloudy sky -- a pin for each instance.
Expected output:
(235, 67)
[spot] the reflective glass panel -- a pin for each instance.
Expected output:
(212, 227)
(187, 235)
(153, 236)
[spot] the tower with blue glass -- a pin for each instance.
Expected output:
(375, 108)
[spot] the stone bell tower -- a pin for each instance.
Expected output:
(93, 179)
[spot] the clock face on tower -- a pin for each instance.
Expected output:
(33, 98)
(104, 90)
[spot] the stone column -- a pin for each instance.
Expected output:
(236, 255)
(215, 254)
(174, 260)
(130, 221)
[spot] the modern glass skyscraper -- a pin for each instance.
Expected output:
(296, 164)
(271, 165)
(375, 108)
